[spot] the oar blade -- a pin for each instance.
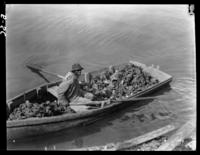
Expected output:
(34, 69)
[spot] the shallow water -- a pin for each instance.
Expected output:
(55, 37)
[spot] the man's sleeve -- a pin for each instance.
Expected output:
(68, 75)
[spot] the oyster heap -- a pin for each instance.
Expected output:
(119, 83)
(45, 109)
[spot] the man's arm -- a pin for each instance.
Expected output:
(86, 94)
(62, 77)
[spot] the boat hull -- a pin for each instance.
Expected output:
(39, 126)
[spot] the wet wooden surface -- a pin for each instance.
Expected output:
(184, 132)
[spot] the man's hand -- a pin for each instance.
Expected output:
(89, 96)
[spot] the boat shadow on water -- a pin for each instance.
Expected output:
(76, 134)
(139, 110)
(134, 107)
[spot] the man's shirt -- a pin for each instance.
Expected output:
(69, 88)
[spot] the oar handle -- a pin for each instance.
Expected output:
(90, 103)
(60, 76)
(76, 104)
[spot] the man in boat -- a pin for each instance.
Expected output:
(69, 90)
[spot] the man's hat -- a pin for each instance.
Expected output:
(76, 67)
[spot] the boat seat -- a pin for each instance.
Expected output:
(53, 91)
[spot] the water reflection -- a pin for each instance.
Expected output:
(78, 142)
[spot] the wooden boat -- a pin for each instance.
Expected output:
(38, 126)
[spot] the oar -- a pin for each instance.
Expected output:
(123, 100)
(33, 68)
(140, 98)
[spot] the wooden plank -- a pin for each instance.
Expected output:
(185, 131)
(193, 143)
(133, 142)
(146, 137)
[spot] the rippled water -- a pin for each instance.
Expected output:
(55, 37)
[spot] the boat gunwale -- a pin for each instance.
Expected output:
(29, 90)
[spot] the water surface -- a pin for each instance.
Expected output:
(56, 36)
